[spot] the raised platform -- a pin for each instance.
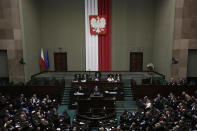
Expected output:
(125, 75)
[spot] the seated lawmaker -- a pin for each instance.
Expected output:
(110, 78)
(97, 76)
(96, 91)
(84, 78)
(104, 111)
(117, 78)
(182, 82)
(80, 90)
(77, 78)
(172, 82)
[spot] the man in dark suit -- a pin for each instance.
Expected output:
(96, 90)
(84, 78)
(80, 90)
(97, 76)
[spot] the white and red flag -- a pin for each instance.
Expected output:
(98, 35)
(42, 61)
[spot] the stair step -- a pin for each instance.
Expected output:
(65, 100)
(127, 94)
(65, 97)
(66, 94)
(67, 91)
(64, 104)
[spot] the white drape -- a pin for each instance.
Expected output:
(91, 8)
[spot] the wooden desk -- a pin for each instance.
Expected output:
(139, 91)
(90, 106)
(102, 85)
(94, 110)
(28, 91)
(96, 96)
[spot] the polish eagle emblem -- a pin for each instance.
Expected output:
(98, 25)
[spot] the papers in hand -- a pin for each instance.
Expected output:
(110, 79)
(96, 79)
(106, 92)
(83, 80)
(111, 92)
(78, 94)
(81, 123)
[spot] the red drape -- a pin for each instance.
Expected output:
(104, 42)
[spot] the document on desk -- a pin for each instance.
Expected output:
(78, 94)
(113, 93)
